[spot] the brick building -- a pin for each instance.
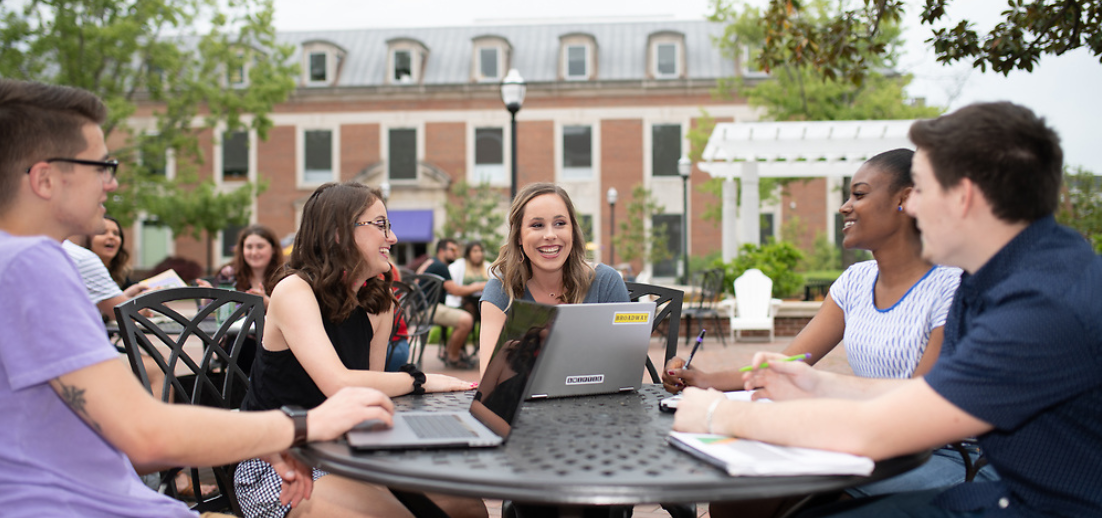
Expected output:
(608, 104)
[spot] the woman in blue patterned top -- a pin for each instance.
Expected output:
(889, 311)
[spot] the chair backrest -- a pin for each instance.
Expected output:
(667, 309)
(198, 358)
(417, 312)
(753, 294)
(431, 285)
(709, 288)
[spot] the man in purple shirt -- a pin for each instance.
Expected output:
(1019, 366)
(77, 424)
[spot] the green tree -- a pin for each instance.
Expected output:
(1081, 206)
(189, 208)
(632, 240)
(474, 214)
(194, 63)
(799, 90)
(842, 46)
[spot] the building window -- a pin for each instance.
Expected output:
(666, 62)
(152, 157)
(319, 72)
(319, 157)
(665, 149)
(577, 152)
(229, 239)
(669, 226)
(156, 243)
(235, 156)
(488, 63)
(236, 73)
(489, 155)
(577, 66)
(403, 66)
(402, 154)
(767, 228)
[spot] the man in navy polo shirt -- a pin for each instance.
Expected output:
(1021, 361)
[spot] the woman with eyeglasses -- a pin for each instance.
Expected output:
(326, 328)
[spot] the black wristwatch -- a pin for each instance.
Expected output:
(298, 415)
(418, 378)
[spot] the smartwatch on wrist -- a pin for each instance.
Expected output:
(418, 378)
(298, 416)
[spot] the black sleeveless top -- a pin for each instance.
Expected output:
(278, 379)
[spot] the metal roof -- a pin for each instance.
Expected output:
(621, 46)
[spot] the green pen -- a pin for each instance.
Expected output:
(797, 358)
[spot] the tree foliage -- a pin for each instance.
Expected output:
(1081, 206)
(632, 239)
(841, 47)
(800, 89)
(474, 214)
(197, 64)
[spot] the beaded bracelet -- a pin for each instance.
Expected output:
(711, 411)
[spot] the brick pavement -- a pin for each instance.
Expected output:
(712, 353)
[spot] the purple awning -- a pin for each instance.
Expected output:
(411, 226)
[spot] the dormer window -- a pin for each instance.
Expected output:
(577, 57)
(319, 70)
(577, 66)
(237, 70)
(403, 66)
(321, 63)
(666, 55)
(490, 59)
(405, 61)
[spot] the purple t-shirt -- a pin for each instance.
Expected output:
(51, 462)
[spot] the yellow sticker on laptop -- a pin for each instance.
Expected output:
(631, 318)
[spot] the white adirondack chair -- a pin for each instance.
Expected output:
(754, 306)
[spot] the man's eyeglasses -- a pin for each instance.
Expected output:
(381, 224)
(107, 168)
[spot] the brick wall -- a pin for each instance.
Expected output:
(810, 198)
(535, 158)
(622, 168)
(359, 150)
(445, 147)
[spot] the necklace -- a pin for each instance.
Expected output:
(549, 293)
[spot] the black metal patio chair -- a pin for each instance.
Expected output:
(200, 367)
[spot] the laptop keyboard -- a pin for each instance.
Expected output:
(438, 426)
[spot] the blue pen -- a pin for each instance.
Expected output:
(699, 340)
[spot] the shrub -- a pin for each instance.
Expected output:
(777, 261)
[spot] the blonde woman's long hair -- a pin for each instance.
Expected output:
(513, 269)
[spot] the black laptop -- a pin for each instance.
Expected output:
(496, 404)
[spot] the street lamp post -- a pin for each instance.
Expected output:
(684, 168)
(612, 195)
(512, 94)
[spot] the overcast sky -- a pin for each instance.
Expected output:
(1061, 89)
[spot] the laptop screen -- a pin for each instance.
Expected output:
(507, 377)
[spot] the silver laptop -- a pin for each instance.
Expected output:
(496, 404)
(595, 349)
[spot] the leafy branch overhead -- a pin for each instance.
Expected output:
(840, 47)
(189, 66)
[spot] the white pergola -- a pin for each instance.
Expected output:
(753, 150)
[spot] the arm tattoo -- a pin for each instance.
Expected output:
(74, 397)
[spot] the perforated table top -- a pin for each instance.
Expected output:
(598, 450)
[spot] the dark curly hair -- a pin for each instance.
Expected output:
(326, 256)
